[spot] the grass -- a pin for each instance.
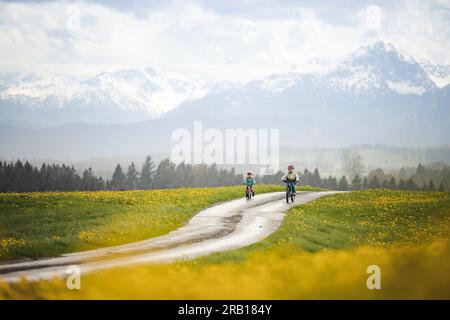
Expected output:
(322, 250)
(420, 272)
(372, 217)
(36, 225)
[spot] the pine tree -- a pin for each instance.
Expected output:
(147, 174)
(29, 180)
(392, 184)
(411, 185)
(2, 177)
(365, 184)
(237, 178)
(42, 178)
(132, 180)
(357, 183)
(184, 175)
(118, 179)
(165, 175)
(330, 183)
(431, 186)
(100, 184)
(211, 175)
(343, 184)
(306, 178)
(316, 181)
(421, 175)
(441, 187)
(88, 181)
(374, 184)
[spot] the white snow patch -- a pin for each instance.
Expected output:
(353, 79)
(440, 82)
(130, 89)
(404, 87)
(279, 83)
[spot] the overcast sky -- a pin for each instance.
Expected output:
(211, 39)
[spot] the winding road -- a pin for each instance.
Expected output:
(224, 226)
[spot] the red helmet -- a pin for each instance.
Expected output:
(290, 167)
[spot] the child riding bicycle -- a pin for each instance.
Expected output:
(250, 182)
(291, 177)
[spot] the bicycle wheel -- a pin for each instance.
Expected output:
(287, 196)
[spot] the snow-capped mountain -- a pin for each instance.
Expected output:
(372, 70)
(126, 95)
(379, 68)
(439, 74)
(376, 76)
(376, 95)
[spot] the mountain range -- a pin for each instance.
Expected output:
(375, 95)
(124, 96)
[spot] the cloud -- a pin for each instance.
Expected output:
(421, 28)
(210, 42)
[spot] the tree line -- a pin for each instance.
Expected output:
(169, 175)
(424, 179)
(24, 177)
(378, 179)
(433, 177)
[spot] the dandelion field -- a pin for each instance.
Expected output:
(321, 251)
(44, 224)
(384, 218)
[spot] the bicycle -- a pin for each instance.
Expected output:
(290, 194)
(249, 192)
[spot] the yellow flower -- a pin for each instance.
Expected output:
(86, 235)
(6, 244)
